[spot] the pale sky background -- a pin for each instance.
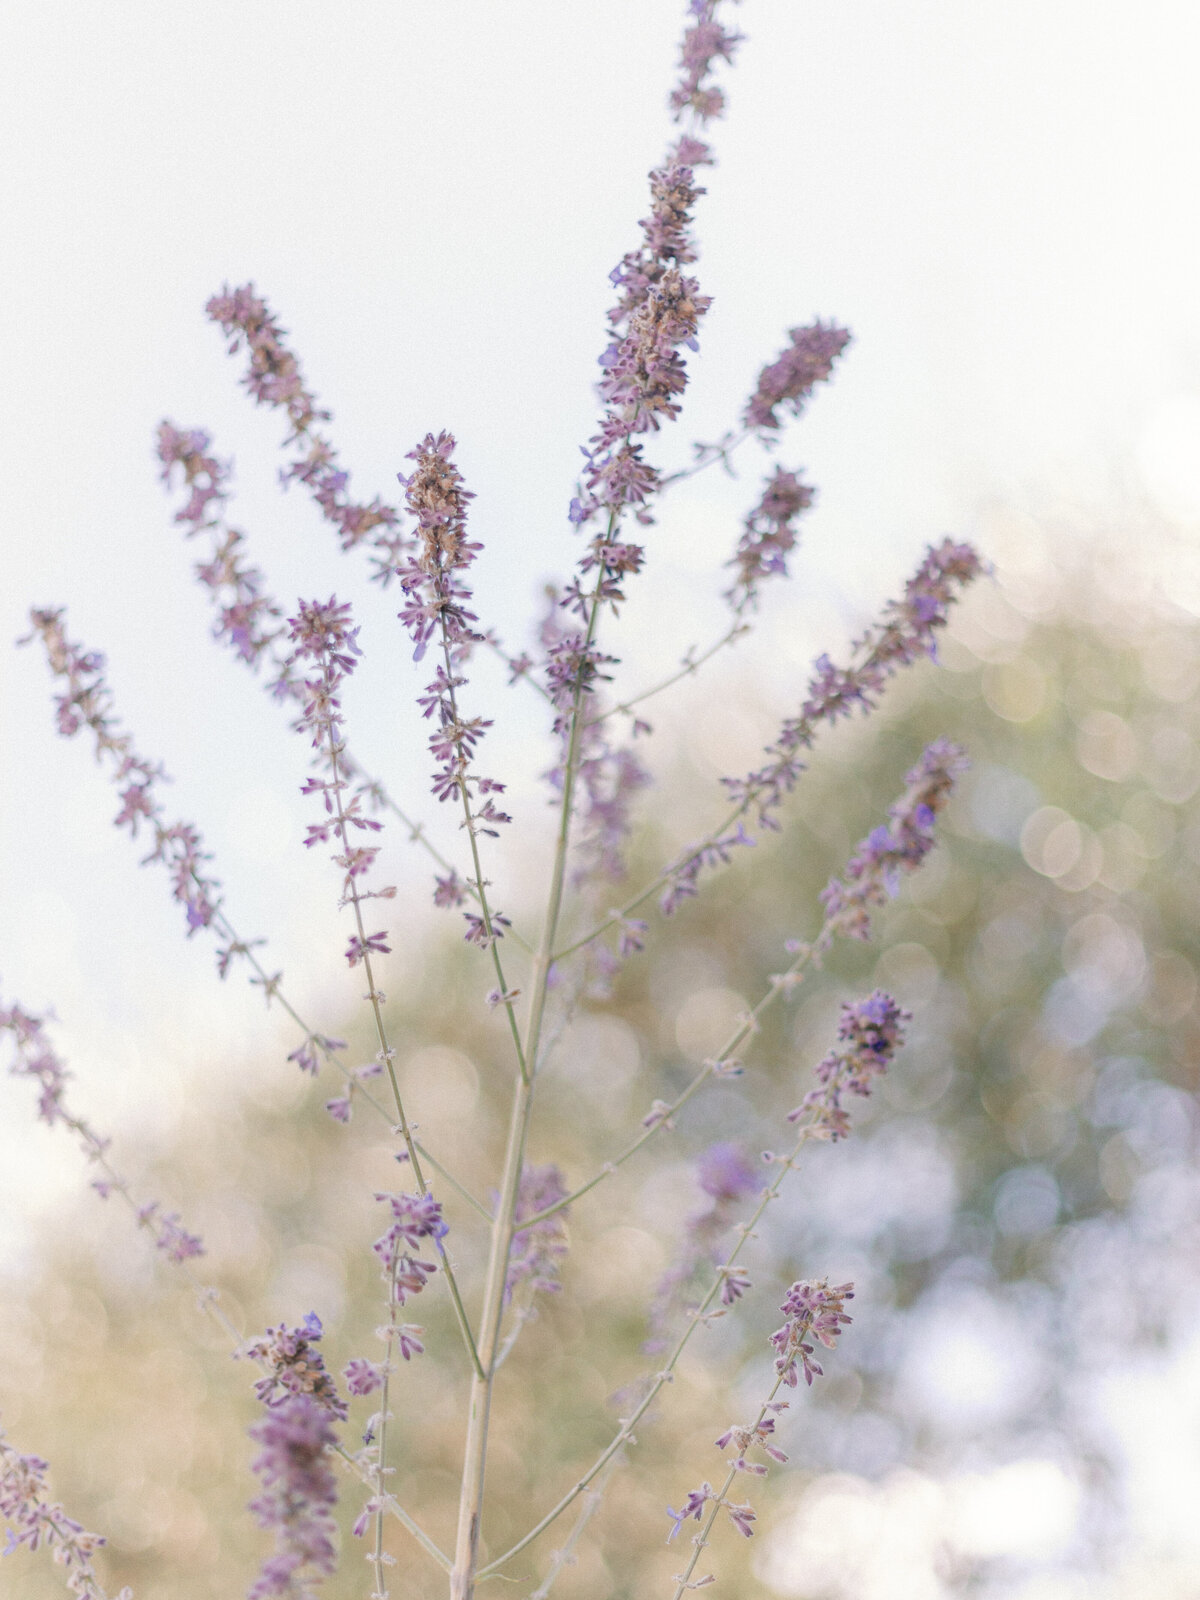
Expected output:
(1001, 200)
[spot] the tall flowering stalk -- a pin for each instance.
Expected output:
(427, 548)
(34, 1520)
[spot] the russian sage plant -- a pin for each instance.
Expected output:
(423, 547)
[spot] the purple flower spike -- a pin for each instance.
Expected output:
(299, 1493)
(436, 608)
(870, 1032)
(274, 379)
(791, 378)
(769, 536)
(726, 1177)
(34, 1521)
(906, 632)
(704, 43)
(538, 1250)
(813, 1311)
(85, 701)
(872, 875)
(297, 1368)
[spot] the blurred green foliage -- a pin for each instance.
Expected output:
(1027, 1171)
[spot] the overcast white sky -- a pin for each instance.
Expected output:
(1000, 199)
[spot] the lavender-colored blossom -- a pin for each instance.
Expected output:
(437, 606)
(35, 1521)
(36, 1058)
(307, 1055)
(274, 378)
(643, 372)
(246, 617)
(756, 1436)
(416, 1218)
(538, 1250)
(790, 379)
(296, 1366)
(906, 632)
(704, 43)
(872, 875)
(657, 311)
(363, 1377)
(683, 878)
(171, 1237)
(726, 1177)
(437, 596)
(769, 536)
(741, 1515)
(245, 614)
(321, 634)
(813, 1311)
(692, 1508)
(870, 1032)
(86, 702)
(299, 1493)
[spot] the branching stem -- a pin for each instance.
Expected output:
(745, 1027)
(702, 1314)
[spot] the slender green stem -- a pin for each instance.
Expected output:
(866, 659)
(208, 1299)
(417, 835)
(386, 1053)
(489, 928)
(381, 1466)
(745, 1027)
(270, 984)
(503, 1227)
(624, 1435)
(711, 453)
(690, 664)
(564, 1557)
(720, 1498)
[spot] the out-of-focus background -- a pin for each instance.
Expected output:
(998, 203)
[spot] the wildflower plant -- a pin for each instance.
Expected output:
(423, 548)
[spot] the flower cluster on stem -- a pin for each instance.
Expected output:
(768, 537)
(872, 875)
(295, 1436)
(246, 613)
(705, 42)
(813, 1311)
(34, 1520)
(713, 1304)
(321, 634)
(869, 1034)
(299, 1493)
(538, 1249)
(436, 606)
(246, 616)
(85, 701)
(790, 379)
(36, 1058)
(274, 378)
(727, 1178)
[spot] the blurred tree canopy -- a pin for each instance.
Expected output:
(1019, 1205)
